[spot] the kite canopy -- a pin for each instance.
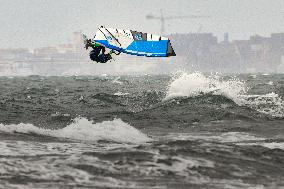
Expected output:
(134, 43)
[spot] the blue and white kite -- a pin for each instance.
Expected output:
(133, 42)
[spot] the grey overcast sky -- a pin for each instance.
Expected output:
(36, 23)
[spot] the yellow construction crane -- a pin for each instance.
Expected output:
(162, 18)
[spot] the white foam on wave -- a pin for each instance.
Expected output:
(239, 138)
(270, 103)
(194, 84)
(273, 145)
(117, 81)
(120, 94)
(83, 129)
(270, 83)
(270, 145)
(229, 137)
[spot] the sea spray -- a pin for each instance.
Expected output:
(194, 84)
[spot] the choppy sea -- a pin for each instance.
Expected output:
(186, 130)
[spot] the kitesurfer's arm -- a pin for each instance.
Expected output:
(89, 44)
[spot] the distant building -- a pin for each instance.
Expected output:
(226, 37)
(46, 53)
(15, 54)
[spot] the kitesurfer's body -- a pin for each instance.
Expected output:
(98, 52)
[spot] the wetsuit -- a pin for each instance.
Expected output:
(98, 53)
(97, 56)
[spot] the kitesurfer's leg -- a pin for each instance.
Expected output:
(94, 56)
(103, 58)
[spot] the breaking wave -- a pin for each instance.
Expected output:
(196, 84)
(83, 129)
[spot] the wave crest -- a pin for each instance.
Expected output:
(83, 129)
(195, 84)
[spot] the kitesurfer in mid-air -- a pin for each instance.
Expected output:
(98, 52)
